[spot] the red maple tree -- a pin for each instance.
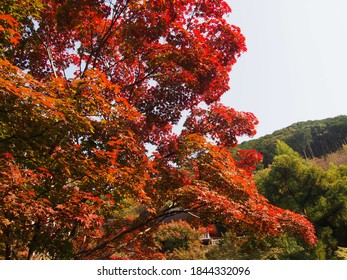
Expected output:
(85, 87)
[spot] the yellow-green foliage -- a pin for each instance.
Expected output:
(178, 240)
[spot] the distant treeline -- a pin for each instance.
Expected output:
(310, 139)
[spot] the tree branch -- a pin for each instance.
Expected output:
(94, 54)
(156, 219)
(14, 136)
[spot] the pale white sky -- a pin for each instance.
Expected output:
(295, 66)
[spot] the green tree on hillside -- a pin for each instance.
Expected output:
(293, 183)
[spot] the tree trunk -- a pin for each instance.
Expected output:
(8, 250)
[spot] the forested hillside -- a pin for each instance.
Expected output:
(310, 139)
(339, 157)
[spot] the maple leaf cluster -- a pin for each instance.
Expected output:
(85, 87)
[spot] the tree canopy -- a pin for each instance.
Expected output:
(85, 87)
